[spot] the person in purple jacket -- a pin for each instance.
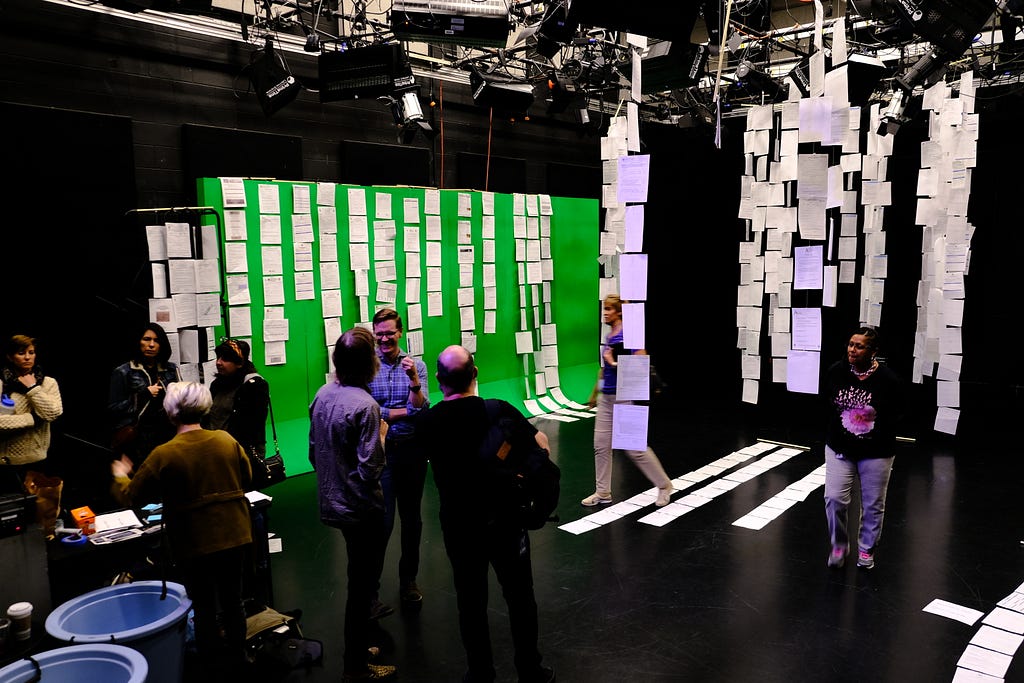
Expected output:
(346, 449)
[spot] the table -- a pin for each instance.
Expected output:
(78, 569)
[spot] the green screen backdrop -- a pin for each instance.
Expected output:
(544, 291)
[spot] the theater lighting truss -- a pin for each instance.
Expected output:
(530, 43)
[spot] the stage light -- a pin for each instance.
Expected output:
(555, 30)
(562, 92)
(863, 72)
(408, 113)
(505, 96)
(472, 23)
(669, 65)
(950, 26)
(271, 79)
(755, 83)
(371, 71)
(926, 71)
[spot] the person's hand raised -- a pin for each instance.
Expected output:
(122, 467)
(409, 365)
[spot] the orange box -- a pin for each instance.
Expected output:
(85, 519)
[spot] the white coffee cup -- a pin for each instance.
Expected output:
(20, 614)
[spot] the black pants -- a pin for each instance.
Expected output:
(402, 480)
(365, 543)
(508, 551)
(214, 584)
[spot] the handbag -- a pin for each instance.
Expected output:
(125, 437)
(47, 491)
(267, 470)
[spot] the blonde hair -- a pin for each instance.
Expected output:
(614, 301)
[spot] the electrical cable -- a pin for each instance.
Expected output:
(440, 105)
(487, 165)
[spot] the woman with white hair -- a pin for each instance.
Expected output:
(200, 476)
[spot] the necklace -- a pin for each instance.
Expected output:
(862, 375)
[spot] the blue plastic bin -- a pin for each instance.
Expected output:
(81, 664)
(130, 614)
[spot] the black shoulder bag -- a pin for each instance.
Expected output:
(267, 470)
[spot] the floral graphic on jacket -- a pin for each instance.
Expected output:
(856, 413)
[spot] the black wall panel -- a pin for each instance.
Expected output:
(368, 163)
(494, 174)
(71, 254)
(573, 180)
(209, 152)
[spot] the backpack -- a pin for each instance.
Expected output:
(277, 646)
(525, 478)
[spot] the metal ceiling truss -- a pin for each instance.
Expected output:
(592, 63)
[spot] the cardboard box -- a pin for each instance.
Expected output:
(85, 519)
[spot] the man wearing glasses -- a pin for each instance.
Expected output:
(400, 388)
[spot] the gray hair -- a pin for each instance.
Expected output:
(187, 402)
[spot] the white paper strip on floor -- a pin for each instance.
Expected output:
(724, 479)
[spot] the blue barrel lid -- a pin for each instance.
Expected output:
(119, 613)
(81, 664)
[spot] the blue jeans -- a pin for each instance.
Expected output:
(840, 473)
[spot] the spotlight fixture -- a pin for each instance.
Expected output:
(926, 71)
(274, 84)
(504, 96)
(756, 83)
(408, 113)
(950, 27)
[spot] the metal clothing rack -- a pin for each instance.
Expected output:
(198, 212)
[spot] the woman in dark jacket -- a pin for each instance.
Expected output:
(135, 402)
(241, 398)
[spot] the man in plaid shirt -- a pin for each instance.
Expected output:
(400, 388)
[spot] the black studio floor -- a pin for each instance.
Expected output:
(701, 599)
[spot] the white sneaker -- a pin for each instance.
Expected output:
(595, 499)
(664, 496)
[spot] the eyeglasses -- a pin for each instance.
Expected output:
(386, 334)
